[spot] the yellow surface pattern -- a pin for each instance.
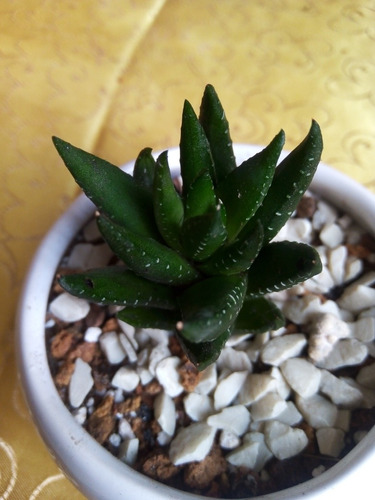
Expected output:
(110, 76)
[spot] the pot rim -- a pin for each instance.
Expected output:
(66, 439)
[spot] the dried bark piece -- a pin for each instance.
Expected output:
(101, 422)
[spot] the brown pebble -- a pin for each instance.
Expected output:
(62, 343)
(102, 421)
(201, 474)
(306, 207)
(158, 466)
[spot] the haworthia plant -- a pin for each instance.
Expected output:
(198, 260)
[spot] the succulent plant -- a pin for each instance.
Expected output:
(197, 257)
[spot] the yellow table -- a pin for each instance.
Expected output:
(110, 76)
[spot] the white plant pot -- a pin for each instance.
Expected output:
(97, 473)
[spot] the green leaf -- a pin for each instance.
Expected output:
(120, 286)
(258, 315)
(114, 192)
(209, 307)
(204, 353)
(195, 153)
(244, 189)
(201, 236)
(149, 317)
(216, 127)
(146, 256)
(292, 177)
(144, 169)
(281, 265)
(235, 258)
(200, 196)
(168, 205)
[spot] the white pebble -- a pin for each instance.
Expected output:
(207, 381)
(128, 451)
(264, 453)
(229, 440)
(233, 418)
(283, 440)
(244, 456)
(331, 235)
(302, 376)
(167, 374)
(165, 413)
(69, 308)
(198, 406)
(234, 360)
(80, 415)
(111, 346)
(279, 349)
(192, 443)
(158, 353)
(268, 407)
(255, 387)
(339, 392)
(88, 256)
(92, 334)
(80, 383)
(128, 347)
(126, 379)
(125, 429)
(346, 352)
(330, 441)
(228, 388)
(291, 415)
(317, 411)
(364, 329)
(366, 376)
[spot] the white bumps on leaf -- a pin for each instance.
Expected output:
(192, 443)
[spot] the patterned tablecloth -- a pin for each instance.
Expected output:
(110, 76)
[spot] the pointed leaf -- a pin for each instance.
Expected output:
(195, 153)
(203, 235)
(258, 315)
(117, 285)
(204, 353)
(210, 307)
(244, 189)
(216, 127)
(113, 191)
(200, 196)
(168, 205)
(144, 169)
(292, 177)
(149, 317)
(146, 256)
(281, 265)
(235, 258)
